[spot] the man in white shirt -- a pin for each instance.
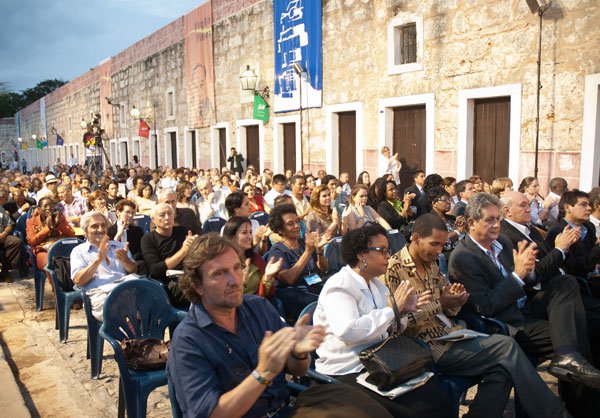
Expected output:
(557, 186)
(298, 185)
(279, 183)
(98, 263)
(73, 161)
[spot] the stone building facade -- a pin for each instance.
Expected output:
(469, 97)
(8, 141)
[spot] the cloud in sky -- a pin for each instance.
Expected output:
(65, 38)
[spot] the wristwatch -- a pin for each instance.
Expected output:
(260, 379)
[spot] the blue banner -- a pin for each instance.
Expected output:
(59, 140)
(298, 41)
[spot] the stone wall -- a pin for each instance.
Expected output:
(474, 44)
(8, 140)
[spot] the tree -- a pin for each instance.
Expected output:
(11, 102)
(41, 89)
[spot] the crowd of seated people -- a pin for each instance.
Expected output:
(518, 256)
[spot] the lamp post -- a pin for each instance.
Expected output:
(299, 70)
(249, 82)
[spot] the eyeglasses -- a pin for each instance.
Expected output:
(382, 250)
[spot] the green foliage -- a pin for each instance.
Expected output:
(11, 102)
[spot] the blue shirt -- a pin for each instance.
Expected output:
(291, 257)
(85, 254)
(206, 360)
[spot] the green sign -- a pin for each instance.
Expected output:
(261, 109)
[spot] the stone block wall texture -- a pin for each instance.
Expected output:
(466, 45)
(8, 140)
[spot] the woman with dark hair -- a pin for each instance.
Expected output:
(440, 202)
(373, 192)
(354, 310)
(259, 277)
(97, 202)
(303, 260)
(184, 191)
(422, 203)
(530, 187)
(321, 217)
(363, 178)
(145, 200)
(44, 228)
(396, 212)
(358, 212)
(310, 184)
(257, 203)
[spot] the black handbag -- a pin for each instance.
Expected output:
(396, 359)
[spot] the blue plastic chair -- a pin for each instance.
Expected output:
(137, 309)
(333, 255)
(143, 221)
(213, 224)
(261, 217)
(63, 299)
(309, 309)
(396, 240)
(95, 343)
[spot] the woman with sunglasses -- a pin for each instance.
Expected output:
(440, 201)
(354, 308)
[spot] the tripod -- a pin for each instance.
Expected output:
(96, 165)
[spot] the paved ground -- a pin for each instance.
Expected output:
(54, 378)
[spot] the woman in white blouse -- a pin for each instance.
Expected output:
(353, 309)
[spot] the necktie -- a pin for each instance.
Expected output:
(520, 301)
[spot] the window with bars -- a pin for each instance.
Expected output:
(405, 44)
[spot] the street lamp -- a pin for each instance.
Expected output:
(135, 113)
(249, 82)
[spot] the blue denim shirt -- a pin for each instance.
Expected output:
(206, 361)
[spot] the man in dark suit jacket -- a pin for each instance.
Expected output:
(554, 292)
(575, 210)
(464, 191)
(496, 278)
(235, 162)
(417, 187)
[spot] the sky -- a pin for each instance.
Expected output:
(62, 39)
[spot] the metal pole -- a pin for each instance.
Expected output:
(301, 125)
(538, 88)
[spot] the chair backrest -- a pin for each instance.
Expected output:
(334, 255)
(21, 227)
(261, 217)
(137, 308)
(443, 265)
(213, 224)
(143, 221)
(61, 248)
(309, 309)
(395, 240)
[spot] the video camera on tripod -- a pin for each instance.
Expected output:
(92, 138)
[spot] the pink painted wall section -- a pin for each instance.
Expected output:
(444, 163)
(222, 9)
(551, 164)
(159, 40)
(106, 110)
(199, 68)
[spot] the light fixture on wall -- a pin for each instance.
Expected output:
(249, 81)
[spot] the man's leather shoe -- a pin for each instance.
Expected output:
(574, 367)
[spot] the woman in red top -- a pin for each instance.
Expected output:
(257, 203)
(44, 228)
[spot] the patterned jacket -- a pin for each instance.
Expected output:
(424, 324)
